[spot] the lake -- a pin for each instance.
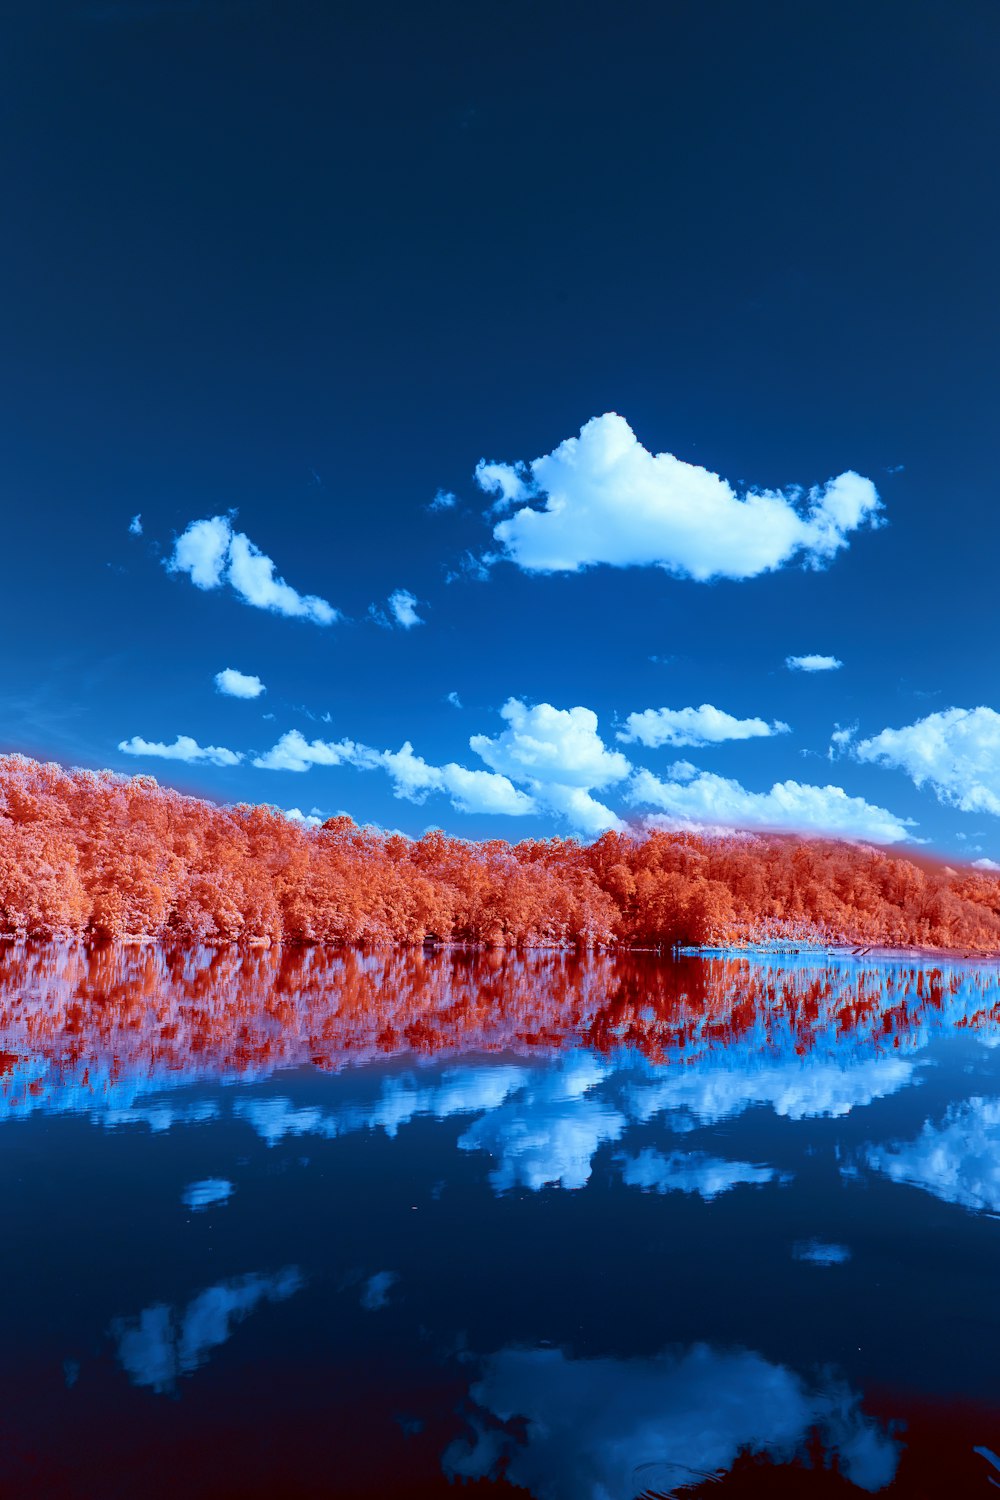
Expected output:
(295, 1223)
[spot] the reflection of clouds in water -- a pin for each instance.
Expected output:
(543, 1124)
(690, 1172)
(158, 1117)
(958, 1161)
(161, 1344)
(550, 1132)
(375, 1293)
(203, 1194)
(275, 1118)
(461, 1091)
(819, 1253)
(592, 1422)
(797, 1089)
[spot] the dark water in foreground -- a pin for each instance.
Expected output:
(295, 1225)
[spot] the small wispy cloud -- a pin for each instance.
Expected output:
(184, 749)
(443, 500)
(233, 684)
(135, 525)
(212, 554)
(453, 699)
(403, 606)
(813, 663)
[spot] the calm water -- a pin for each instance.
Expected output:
(297, 1225)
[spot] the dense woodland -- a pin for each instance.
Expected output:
(99, 855)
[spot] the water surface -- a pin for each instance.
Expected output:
(304, 1224)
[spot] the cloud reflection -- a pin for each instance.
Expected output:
(690, 1172)
(585, 1426)
(958, 1161)
(162, 1343)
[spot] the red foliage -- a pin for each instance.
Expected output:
(96, 854)
(78, 1020)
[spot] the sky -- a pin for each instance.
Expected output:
(524, 419)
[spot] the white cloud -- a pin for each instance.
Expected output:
(812, 663)
(691, 1412)
(506, 481)
(203, 1194)
(546, 758)
(558, 755)
(235, 684)
(549, 744)
(403, 605)
(985, 864)
(690, 1172)
(708, 800)
(470, 791)
(693, 726)
(958, 1161)
(184, 748)
(453, 699)
(212, 553)
(201, 551)
(294, 752)
(608, 500)
(135, 525)
(443, 500)
(957, 752)
(306, 820)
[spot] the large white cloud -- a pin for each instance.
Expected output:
(212, 554)
(957, 752)
(183, 748)
(958, 1161)
(608, 500)
(706, 725)
(614, 1427)
(234, 684)
(707, 800)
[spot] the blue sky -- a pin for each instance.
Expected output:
(303, 268)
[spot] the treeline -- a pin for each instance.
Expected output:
(106, 856)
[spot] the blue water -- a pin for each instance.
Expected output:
(304, 1224)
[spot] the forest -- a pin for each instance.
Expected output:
(103, 856)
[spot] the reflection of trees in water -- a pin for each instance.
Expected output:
(144, 1011)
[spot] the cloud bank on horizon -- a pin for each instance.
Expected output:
(551, 760)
